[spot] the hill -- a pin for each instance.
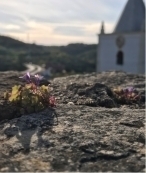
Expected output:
(73, 58)
(11, 42)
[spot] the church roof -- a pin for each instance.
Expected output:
(132, 18)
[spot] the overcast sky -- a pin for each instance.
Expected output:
(58, 22)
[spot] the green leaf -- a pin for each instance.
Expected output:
(15, 89)
(44, 88)
(26, 92)
(39, 107)
(25, 100)
(13, 98)
(34, 100)
(28, 86)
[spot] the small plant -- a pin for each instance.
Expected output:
(126, 95)
(31, 97)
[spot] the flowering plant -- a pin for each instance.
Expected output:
(31, 97)
(127, 95)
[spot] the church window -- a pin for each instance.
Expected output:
(120, 57)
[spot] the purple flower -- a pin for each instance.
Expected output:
(26, 77)
(37, 79)
(129, 89)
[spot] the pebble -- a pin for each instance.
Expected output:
(70, 103)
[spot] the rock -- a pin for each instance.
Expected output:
(102, 136)
(70, 103)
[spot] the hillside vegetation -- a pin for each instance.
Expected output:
(73, 58)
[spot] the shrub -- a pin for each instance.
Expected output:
(126, 95)
(30, 97)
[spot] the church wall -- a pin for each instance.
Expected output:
(141, 63)
(106, 53)
(108, 49)
(131, 50)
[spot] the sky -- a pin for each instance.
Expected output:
(58, 22)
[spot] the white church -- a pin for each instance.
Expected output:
(124, 49)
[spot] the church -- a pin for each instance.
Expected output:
(124, 49)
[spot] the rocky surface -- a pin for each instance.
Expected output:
(91, 133)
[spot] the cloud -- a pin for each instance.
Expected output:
(79, 11)
(77, 20)
(71, 12)
(70, 30)
(7, 18)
